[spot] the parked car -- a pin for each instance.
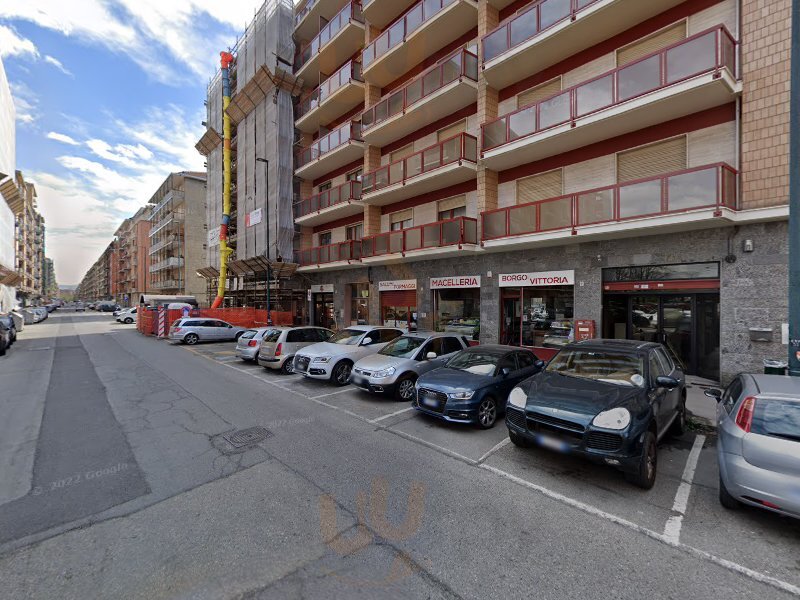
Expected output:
(39, 314)
(5, 337)
(249, 343)
(80, 307)
(279, 346)
(192, 330)
(107, 306)
(473, 385)
(334, 358)
(609, 401)
(758, 449)
(11, 325)
(127, 315)
(394, 370)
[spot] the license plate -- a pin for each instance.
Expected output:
(432, 402)
(552, 443)
(356, 380)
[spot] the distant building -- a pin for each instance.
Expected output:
(128, 259)
(29, 237)
(49, 283)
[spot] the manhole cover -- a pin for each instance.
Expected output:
(247, 437)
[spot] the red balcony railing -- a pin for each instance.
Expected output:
(461, 64)
(320, 255)
(336, 138)
(412, 20)
(351, 71)
(300, 15)
(350, 190)
(460, 147)
(529, 23)
(351, 12)
(711, 186)
(705, 52)
(452, 232)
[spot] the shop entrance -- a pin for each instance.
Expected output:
(537, 317)
(399, 309)
(324, 312)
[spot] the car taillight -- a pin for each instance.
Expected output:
(252, 343)
(176, 329)
(744, 418)
(278, 350)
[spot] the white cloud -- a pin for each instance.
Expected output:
(13, 44)
(25, 102)
(132, 157)
(57, 64)
(63, 138)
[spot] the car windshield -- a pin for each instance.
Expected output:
(271, 336)
(479, 363)
(403, 347)
(249, 334)
(347, 337)
(610, 367)
(777, 418)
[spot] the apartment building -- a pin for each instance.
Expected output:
(8, 266)
(178, 235)
(96, 283)
(49, 283)
(129, 259)
(527, 171)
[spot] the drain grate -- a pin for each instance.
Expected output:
(247, 437)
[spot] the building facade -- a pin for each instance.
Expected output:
(97, 282)
(528, 172)
(178, 236)
(8, 265)
(128, 259)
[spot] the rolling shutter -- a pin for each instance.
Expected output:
(540, 92)
(452, 203)
(452, 130)
(540, 187)
(402, 153)
(648, 45)
(402, 215)
(399, 298)
(655, 159)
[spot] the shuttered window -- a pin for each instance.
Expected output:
(454, 202)
(452, 130)
(540, 187)
(540, 92)
(657, 41)
(402, 219)
(652, 160)
(402, 153)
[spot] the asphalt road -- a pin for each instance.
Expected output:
(120, 477)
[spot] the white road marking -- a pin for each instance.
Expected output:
(394, 414)
(441, 449)
(494, 449)
(336, 393)
(672, 530)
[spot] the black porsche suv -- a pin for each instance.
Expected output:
(609, 401)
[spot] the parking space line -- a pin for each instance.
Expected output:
(494, 449)
(431, 445)
(672, 530)
(336, 393)
(394, 414)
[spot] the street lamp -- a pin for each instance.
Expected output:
(269, 264)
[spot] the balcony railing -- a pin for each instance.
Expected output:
(412, 20)
(168, 263)
(452, 232)
(351, 11)
(711, 186)
(460, 147)
(176, 217)
(529, 23)
(170, 196)
(351, 71)
(320, 255)
(705, 52)
(163, 244)
(461, 64)
(348, 191)
(300, 15)
(166, 284)
(327, 143)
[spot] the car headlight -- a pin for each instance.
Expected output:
(518, 397)
(321, 359)
(383, 373)
(616, 418)
(461, 395)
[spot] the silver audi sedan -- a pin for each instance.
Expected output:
(758, 422)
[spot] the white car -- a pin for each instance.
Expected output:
(333, 360)
(127, 316)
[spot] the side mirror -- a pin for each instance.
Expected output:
(539, 364)
(505, 372)
(431, 355)
(366, 341)
(667, 382)
(713, 393)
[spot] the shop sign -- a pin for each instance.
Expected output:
(446, 283)
(543, 278)
(395, 286)
(324, 288)
(253, 218)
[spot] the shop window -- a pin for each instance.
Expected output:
(324, 239)
(452, 208)
(451, 131)
(354, 232)
(458, 311)
(402, 219)
(537, 316)
(654, 43)
(540, 187)
(648, 161)
(540, 92)
(359, 303)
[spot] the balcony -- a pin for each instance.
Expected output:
(342, 201)
(379, 13)
(170, 263)
(332, 256)
(167, 284)
(439, 239)
(167, 223)
(448, 163)
(164, 244)
(170, 196)
(338, 148)
(307, 19)
(442, 90)
(340, 39)
(690, 199)
(428, 27)
(548, 31)
(693, 75)
(338, 95)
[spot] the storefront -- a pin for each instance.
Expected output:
(537, 310)
(322, 303)
(399, 303)
(676, 305)
(457, 305)
(358, 303)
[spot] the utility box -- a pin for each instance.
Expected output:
(760, 334)
(584, 330)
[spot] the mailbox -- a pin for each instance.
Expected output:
(584, 330)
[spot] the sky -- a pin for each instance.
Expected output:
(109, 99)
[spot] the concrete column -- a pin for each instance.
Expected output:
(488, 101)
(372, 220)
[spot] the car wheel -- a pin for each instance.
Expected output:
(191, 339)
(678, 427)
(725, 498)
(645, 474)
(404, 389)
(341, 373)
(518, 440)
(287, 368)
(128, 321)
(487, 413)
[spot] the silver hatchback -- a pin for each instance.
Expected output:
(394, 370)
(191, 330)
(758, 423)
(280, 344)
(249, 343)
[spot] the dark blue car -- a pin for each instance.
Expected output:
(473, 385)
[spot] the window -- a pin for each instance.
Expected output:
(507, 362)
(325, 186)
(525, 359)
(655, 367)
(452, 208)
(451, 131)
(435, 346)
(387, 335)
(402, 219)
(359, 303)
(374, 336)
(666, 362)
(323, 335)
(731, 395)
(540, 187)
(354, 232)
(355, 175)
(654, 43)
(539, 92)
(458, 311)
(325, 238)
(402, 153)
(450, 345)
(655, 159)
(296, 336)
